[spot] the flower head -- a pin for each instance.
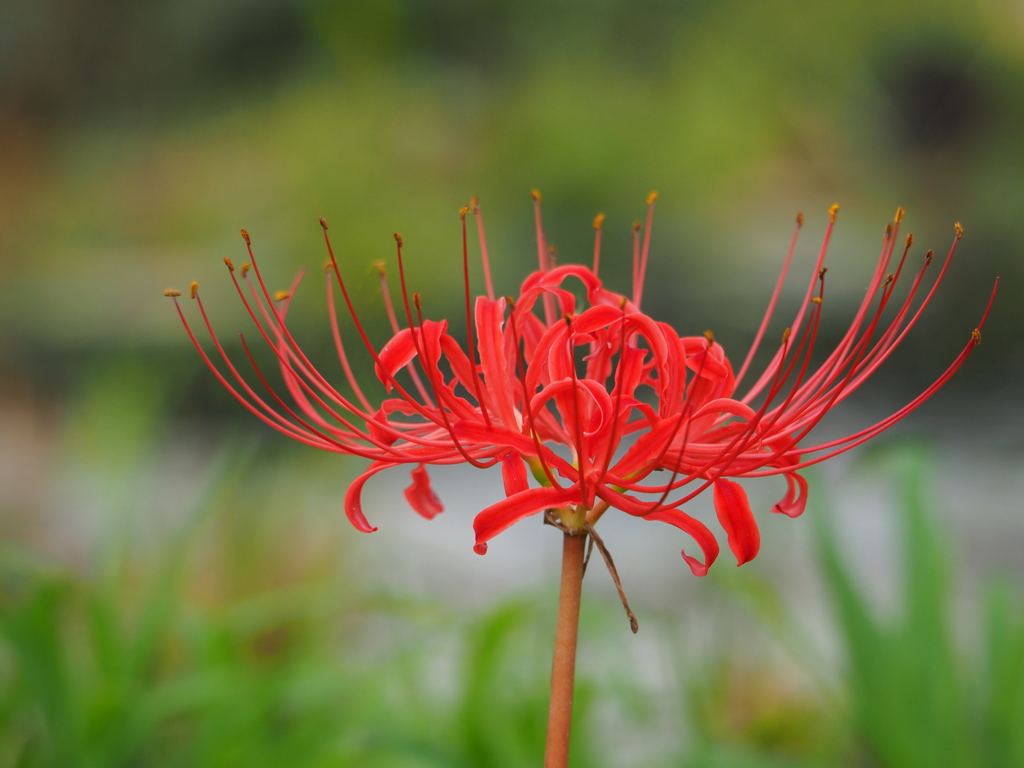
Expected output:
(591, 399)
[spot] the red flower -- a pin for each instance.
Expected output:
(592, 399)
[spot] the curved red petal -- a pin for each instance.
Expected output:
(733, 510)
(353, 497)
(507, 512)
(700, 533)
(421, 496)
(795, 500)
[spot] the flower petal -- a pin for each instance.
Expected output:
(353, 501)
(700, 533)
(421, 496)
(513, 472)
(795, 500)
(734, 514)
(507, 512)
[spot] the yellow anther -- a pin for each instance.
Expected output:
(928, 257)
(821, 272)
(816, 300)
(959, 230)
(245, 236)
(193, 289)
(171, 293)
(888, 280)
(417, 299)
(380, 267)
(535, 194)
(976, 335)
(323, 223)
(474, 203)
(281, 295)
(245, 269)
(463, 211)
(598, 220)
(398, 239)
(511, 301)
(652, 197)
(910, 239)
(710, 337)
(899, 215)
(786, 334)
(799, 219)
(230, 263)
(328, 265)
(636, 227)
(832, 212)
(888, 231)
(622, 303)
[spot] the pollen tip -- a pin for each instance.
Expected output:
(417, 299)
(230, 264)
(171, 293)
(786, 334)
(959, 230)
(832, 213)
(327, 265)
(281, 295)
(652, 197)
(976, 336)
(511, 301)
(463, 211)
(929, 256)
(323, 223)
(568, 319)
(535, 194)
(598, 220)
(245, 236)
(474, 203)
(816, 300)
(193, 289)
(636, 227)
(910, 239)
(380, 266)
(888, 231)
(821, 272)
(398, 239)
(799, 219)
(245, 269)
(710, 337)
(622, 303)
(899, 215)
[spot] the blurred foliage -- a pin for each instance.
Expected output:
(916, 699)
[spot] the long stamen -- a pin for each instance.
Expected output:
(393, 320)
(471, 350)
(420, 409)
(772, 302)
(339, 345)
(484, 259)
(542, 257)
(638, 290)
(598, 220)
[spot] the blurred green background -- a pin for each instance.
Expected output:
(179, 587)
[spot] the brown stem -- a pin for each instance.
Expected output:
(563, 668)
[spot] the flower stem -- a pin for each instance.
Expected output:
(563, 668)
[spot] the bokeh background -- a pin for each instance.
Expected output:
(179, 587)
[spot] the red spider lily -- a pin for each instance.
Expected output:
(591, 399)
